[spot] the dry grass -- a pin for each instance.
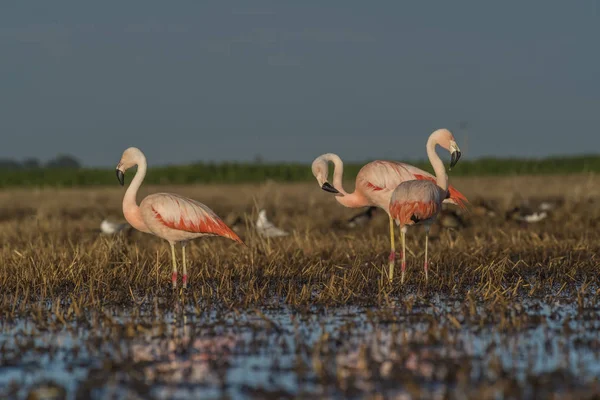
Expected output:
(51, 249)
(502, 299)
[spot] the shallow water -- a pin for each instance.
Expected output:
(430, 349)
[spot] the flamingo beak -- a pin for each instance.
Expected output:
(121, 176)
(328, 188)
(454, 158)
(455, 154)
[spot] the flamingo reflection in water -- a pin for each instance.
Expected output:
(191, 358)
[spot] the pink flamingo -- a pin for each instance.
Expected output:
(377, 180)
(419, 202)
(172, 217)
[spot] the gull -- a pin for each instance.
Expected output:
(265, 228)
(110, 228)
(526, 215)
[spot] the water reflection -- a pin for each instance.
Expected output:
(189, 360)
(544, 348)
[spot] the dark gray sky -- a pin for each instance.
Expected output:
(199, 80)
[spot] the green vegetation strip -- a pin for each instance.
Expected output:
(254, 172)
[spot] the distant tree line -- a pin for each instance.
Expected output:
(59, 162)
(65, 171)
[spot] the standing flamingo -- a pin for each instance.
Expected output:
(377, 180)
(419, 202)
(172, 217)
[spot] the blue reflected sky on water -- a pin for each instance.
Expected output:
(334, 351)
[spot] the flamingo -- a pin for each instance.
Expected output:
(377, 180)
(169, 216)
(418, 202)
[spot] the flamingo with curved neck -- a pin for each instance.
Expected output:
(419, 202)
(377, 180)
(172, 217)
(441, 178)
(131, 211)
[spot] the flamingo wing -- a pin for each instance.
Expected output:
(414, 201)
(411, 212)
(183, 214)
(385, 176)
(454, 196)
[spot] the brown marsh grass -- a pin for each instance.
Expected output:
(510, 311)
(51, 248)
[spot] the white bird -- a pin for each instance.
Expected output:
(265, 228)
(526, 214)
(533, 217)
(110, 228)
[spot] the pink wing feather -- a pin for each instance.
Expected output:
(418, 198)
(387, 175)
(403, 212)
(183, 214)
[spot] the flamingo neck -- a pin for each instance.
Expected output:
(441, 177)
(351, 200)
(338, 171)
(131, 210)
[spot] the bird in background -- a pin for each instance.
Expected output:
(110, 228)
(484, 208)
(551, 204)
(418, 202)
(362, 218)
(169, 216)
(525, 215)
(377, 180)
(235, 222)
(450, 219)
(265, 228)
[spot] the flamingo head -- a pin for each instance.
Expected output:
(131, 157)
(445, 139)
(320, 170)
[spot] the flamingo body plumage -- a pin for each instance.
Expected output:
(377, 180)
(172, 217)
(177, 219)
(416, 202)
(420, 201)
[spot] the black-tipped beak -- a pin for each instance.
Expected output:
(328, 188)
(454, 158)
(121, 177)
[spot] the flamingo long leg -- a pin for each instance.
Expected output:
(174, 275)
(426, 243)
(392, 250)
(184, 266)
(403, 236)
